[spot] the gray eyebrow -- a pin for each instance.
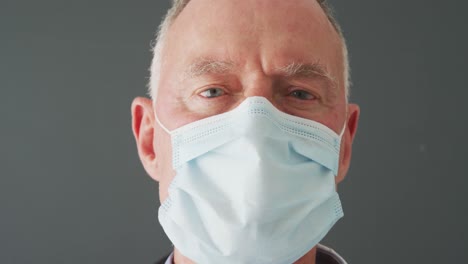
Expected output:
(206, 66)
(307, 70)
(315, 70)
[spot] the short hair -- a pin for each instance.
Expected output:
(179, 5)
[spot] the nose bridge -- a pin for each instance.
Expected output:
(259, 84)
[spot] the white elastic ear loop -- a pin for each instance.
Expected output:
(343, 130)
(344, 126)
(160, 124)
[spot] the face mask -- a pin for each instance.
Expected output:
(253, 185)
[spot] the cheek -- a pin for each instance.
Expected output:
(335, 118)
(332, 118)
(182, 113)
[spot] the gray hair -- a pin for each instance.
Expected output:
(179, 5)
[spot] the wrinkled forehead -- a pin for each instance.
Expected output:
(253, 12)
(284, 30)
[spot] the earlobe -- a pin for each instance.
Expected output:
(143, 131)
(347, 141)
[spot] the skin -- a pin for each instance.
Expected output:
(256, 38)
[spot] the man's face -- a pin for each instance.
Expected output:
(220, 52)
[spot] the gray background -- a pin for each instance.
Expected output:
(72, 189)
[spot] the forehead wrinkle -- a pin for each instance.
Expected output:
(203, 66)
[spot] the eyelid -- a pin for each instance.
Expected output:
(216, 89)
(208, 87)
(308, 90)
(205, 88)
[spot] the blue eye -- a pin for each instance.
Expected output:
(212, 92)
(302, 95)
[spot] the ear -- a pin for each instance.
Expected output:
(143, 130)
(347, 141)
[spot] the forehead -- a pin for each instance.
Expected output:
(269, 32)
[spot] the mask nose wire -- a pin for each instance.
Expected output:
(160, 124)
(169, 132)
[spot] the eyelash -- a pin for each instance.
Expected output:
(295, 92)
(304, 92)
(210, 89)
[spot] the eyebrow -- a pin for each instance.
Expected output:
(307, 71)
(203, 66)
(208, 66)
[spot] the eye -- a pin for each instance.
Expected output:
(302, 95)
(212, 93)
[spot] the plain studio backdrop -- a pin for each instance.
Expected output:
(72, 189)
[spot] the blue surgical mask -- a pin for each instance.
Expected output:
(253, 185)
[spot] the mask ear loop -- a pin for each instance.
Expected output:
(344, 126)
(160, 124)
(343, 130)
